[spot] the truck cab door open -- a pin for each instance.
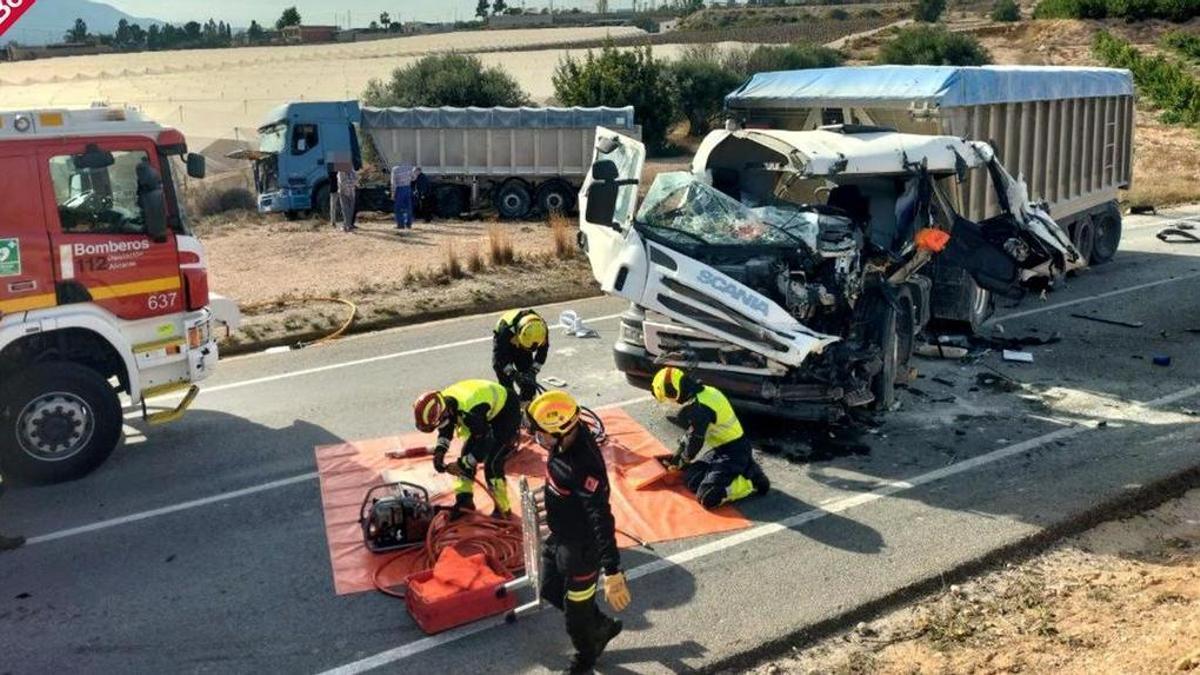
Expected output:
(664, 280)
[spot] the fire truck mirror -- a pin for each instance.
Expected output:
(94, 158)
(155, 210)
(196, 165)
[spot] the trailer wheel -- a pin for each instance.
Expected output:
(555, 196)
(321, 202)
(884, 331)
(448, 201)
(1083, 236)
(60, 421)
(512, 199)
(1107, 235)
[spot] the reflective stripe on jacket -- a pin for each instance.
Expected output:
(726, 428)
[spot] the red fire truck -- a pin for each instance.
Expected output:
(103, 288)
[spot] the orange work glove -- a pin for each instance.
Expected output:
(616, 591)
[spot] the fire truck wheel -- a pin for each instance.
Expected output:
(60, 420)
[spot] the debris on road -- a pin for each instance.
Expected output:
(1018, 357)
(1162, 360)
(1111, 322)
(936, 351)
(997, 382)
(574, 325)
(942, 380)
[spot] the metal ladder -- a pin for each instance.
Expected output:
(533, 532)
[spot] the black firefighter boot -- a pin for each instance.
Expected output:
(606, 628)
(464, 503)
(11, 543)
(758, 478)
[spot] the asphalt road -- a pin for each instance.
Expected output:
(200, 547)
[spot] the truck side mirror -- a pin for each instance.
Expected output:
(602, 195)
(154, 210)
(197, 165)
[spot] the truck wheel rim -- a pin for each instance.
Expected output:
(55, 426)
(512, 202)
(554, 202)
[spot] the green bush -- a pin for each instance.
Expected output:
(839, 14)
(1186, 44)
(615, 77)
(1006, 10)
(1130, 10)
(934, 46)
(446, 79)
(1171, 86)
(701, 85)
(769, 58)
(929, 11)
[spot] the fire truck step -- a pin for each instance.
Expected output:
(165, 416)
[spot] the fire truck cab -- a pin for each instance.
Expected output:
(103, 288)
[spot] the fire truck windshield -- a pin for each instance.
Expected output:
(104, 200)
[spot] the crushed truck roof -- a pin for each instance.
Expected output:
(832, 151)
(940, 86)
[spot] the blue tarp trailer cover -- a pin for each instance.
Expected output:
(939, 86)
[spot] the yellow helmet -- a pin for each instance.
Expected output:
(667, 384)
(531, 331)
(554, 412)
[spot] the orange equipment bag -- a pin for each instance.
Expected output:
(457, 591)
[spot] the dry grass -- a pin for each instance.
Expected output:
(563, 231)
(452, 265)
(475, 261)
(500, 248)
(213, 201)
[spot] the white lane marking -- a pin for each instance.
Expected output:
(226, 496)
(838, 506)
(144, 515)
(370, 359)
(1090, 298)
(1171, 222)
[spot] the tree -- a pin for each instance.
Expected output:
(929, 11)
(138, 36)
(385, 20)
(933, 46)
(78, 32)
(123, 38)
(499, 6)
(192, 30)
(154, 37)
(482, 8)
(702, 85)
(621, 78)
(255, 32)
(458, 80)
(290, 17)
(1006, 10)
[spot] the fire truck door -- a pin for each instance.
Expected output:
(26, 279)
(99, 205)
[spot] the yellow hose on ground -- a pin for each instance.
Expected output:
(328, 338)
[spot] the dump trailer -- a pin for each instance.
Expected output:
(1066, 132)
(518, 159)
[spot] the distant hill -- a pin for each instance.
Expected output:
(47, 20)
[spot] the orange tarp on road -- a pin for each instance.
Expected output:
(661, 512)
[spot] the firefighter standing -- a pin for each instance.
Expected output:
(9, 543)
(582, 540)
(488, 418)
(520, 344)
(728, 471)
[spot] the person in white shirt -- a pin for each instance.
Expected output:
(402, 179)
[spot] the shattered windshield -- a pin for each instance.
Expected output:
(272, 138)
(683, 207)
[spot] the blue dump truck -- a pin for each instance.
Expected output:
(519, 160)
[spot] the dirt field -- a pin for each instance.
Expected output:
(225, 93)
(1121, 598)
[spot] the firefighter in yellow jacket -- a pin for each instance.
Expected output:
(715, 456)
(488, 418)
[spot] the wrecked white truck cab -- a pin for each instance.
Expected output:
(785, 267)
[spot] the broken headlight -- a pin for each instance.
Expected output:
(632, 334)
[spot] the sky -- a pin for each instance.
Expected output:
(241, 12)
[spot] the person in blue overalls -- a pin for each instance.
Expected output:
(402, 178)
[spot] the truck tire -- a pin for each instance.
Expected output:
(321, 202)
(885, 332)
(1107, 225)
(60, 421)
(1083, 236)
(555, 196)
(449, 201)
(512, 199)
(958, 303)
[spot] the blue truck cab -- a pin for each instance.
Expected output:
(300, 147)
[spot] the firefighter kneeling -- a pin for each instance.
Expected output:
(488, 418)
(728, 471)
(583, 538)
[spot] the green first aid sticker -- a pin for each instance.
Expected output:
(10, 257)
